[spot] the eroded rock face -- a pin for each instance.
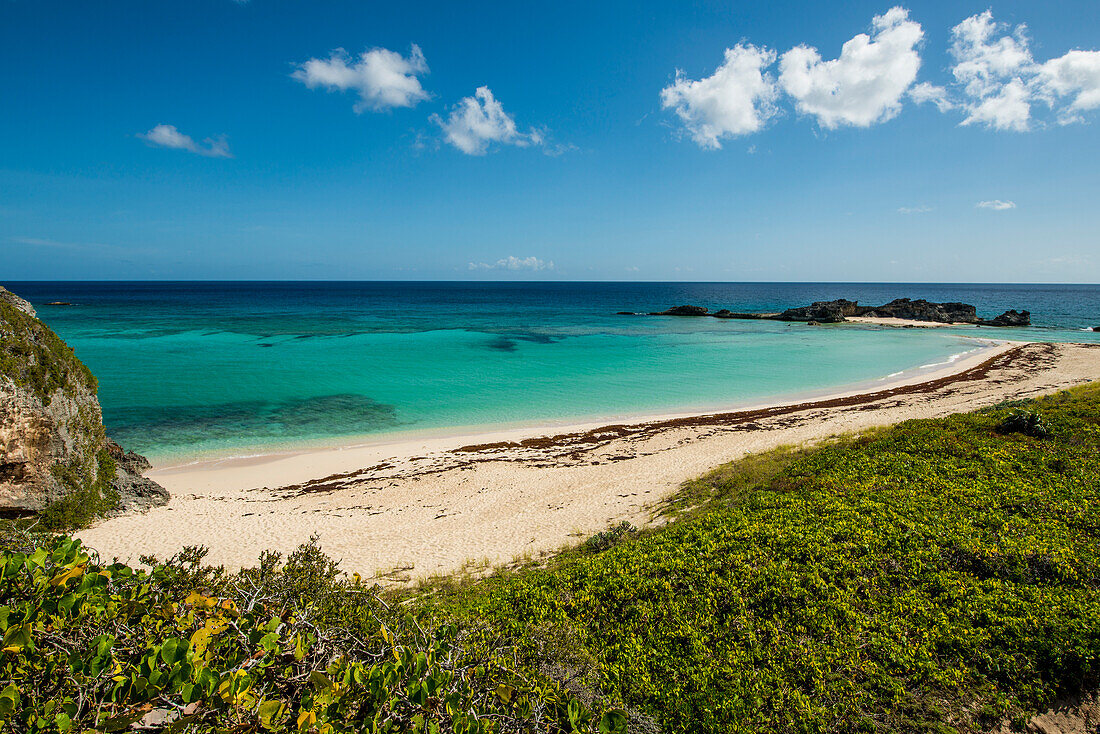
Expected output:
(44, 441)
(52, 441)
(136, 492)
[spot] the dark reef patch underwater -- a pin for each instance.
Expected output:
(449, 356)
(345, 414)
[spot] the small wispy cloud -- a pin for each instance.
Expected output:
(914, 209)
(514, 263)
(925, 93)
(996, 205)
(167, 136)
(93, 248)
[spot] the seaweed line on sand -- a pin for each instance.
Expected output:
(569, 449)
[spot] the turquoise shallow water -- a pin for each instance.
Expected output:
(197, 369)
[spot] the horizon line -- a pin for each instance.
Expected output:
(544, 282)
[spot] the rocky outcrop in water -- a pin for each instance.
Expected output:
(823, 312)
(833, 312)
(683, 311)
(1011, 318)
(54, 451)
(922, 310)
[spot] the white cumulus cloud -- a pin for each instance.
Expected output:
(982, 61)
(995, 81)
(478, 121)
(382, 78)
(1075, 75)
(512, 262)
(914, 209)
(866, 83)
(168, 136)
(1001, 80)
(1008, 109)
(737, 99)
(996, 205)
(991, 65)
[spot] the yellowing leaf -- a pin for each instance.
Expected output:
(63, 578)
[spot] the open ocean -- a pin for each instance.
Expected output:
(189, 370)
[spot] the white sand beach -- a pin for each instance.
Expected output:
(898, 323)
(404, 510)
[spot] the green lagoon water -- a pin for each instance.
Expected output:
(191, 370)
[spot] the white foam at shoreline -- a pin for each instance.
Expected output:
(950, 360)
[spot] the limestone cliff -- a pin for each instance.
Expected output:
(55, 457)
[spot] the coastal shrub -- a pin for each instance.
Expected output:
(106, 647)
(939, 575)
(1025, 422)
(88, 497)
(607, 538)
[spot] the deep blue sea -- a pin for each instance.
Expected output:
(190, 370)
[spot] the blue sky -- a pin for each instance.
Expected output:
(229, 140)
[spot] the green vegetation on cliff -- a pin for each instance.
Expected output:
(37, 359)
(940, 575)
(53, 387)
(89, 496)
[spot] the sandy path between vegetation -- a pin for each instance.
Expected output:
(407, 510)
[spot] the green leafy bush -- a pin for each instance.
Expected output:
(88, 497)
(939, 575)
(93, 646)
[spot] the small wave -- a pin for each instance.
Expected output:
(950, 360)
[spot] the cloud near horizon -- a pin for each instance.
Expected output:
(477, 122)
(383, 79)
(168, 136)
(996, 205)
(995, 81)
(532, 264)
